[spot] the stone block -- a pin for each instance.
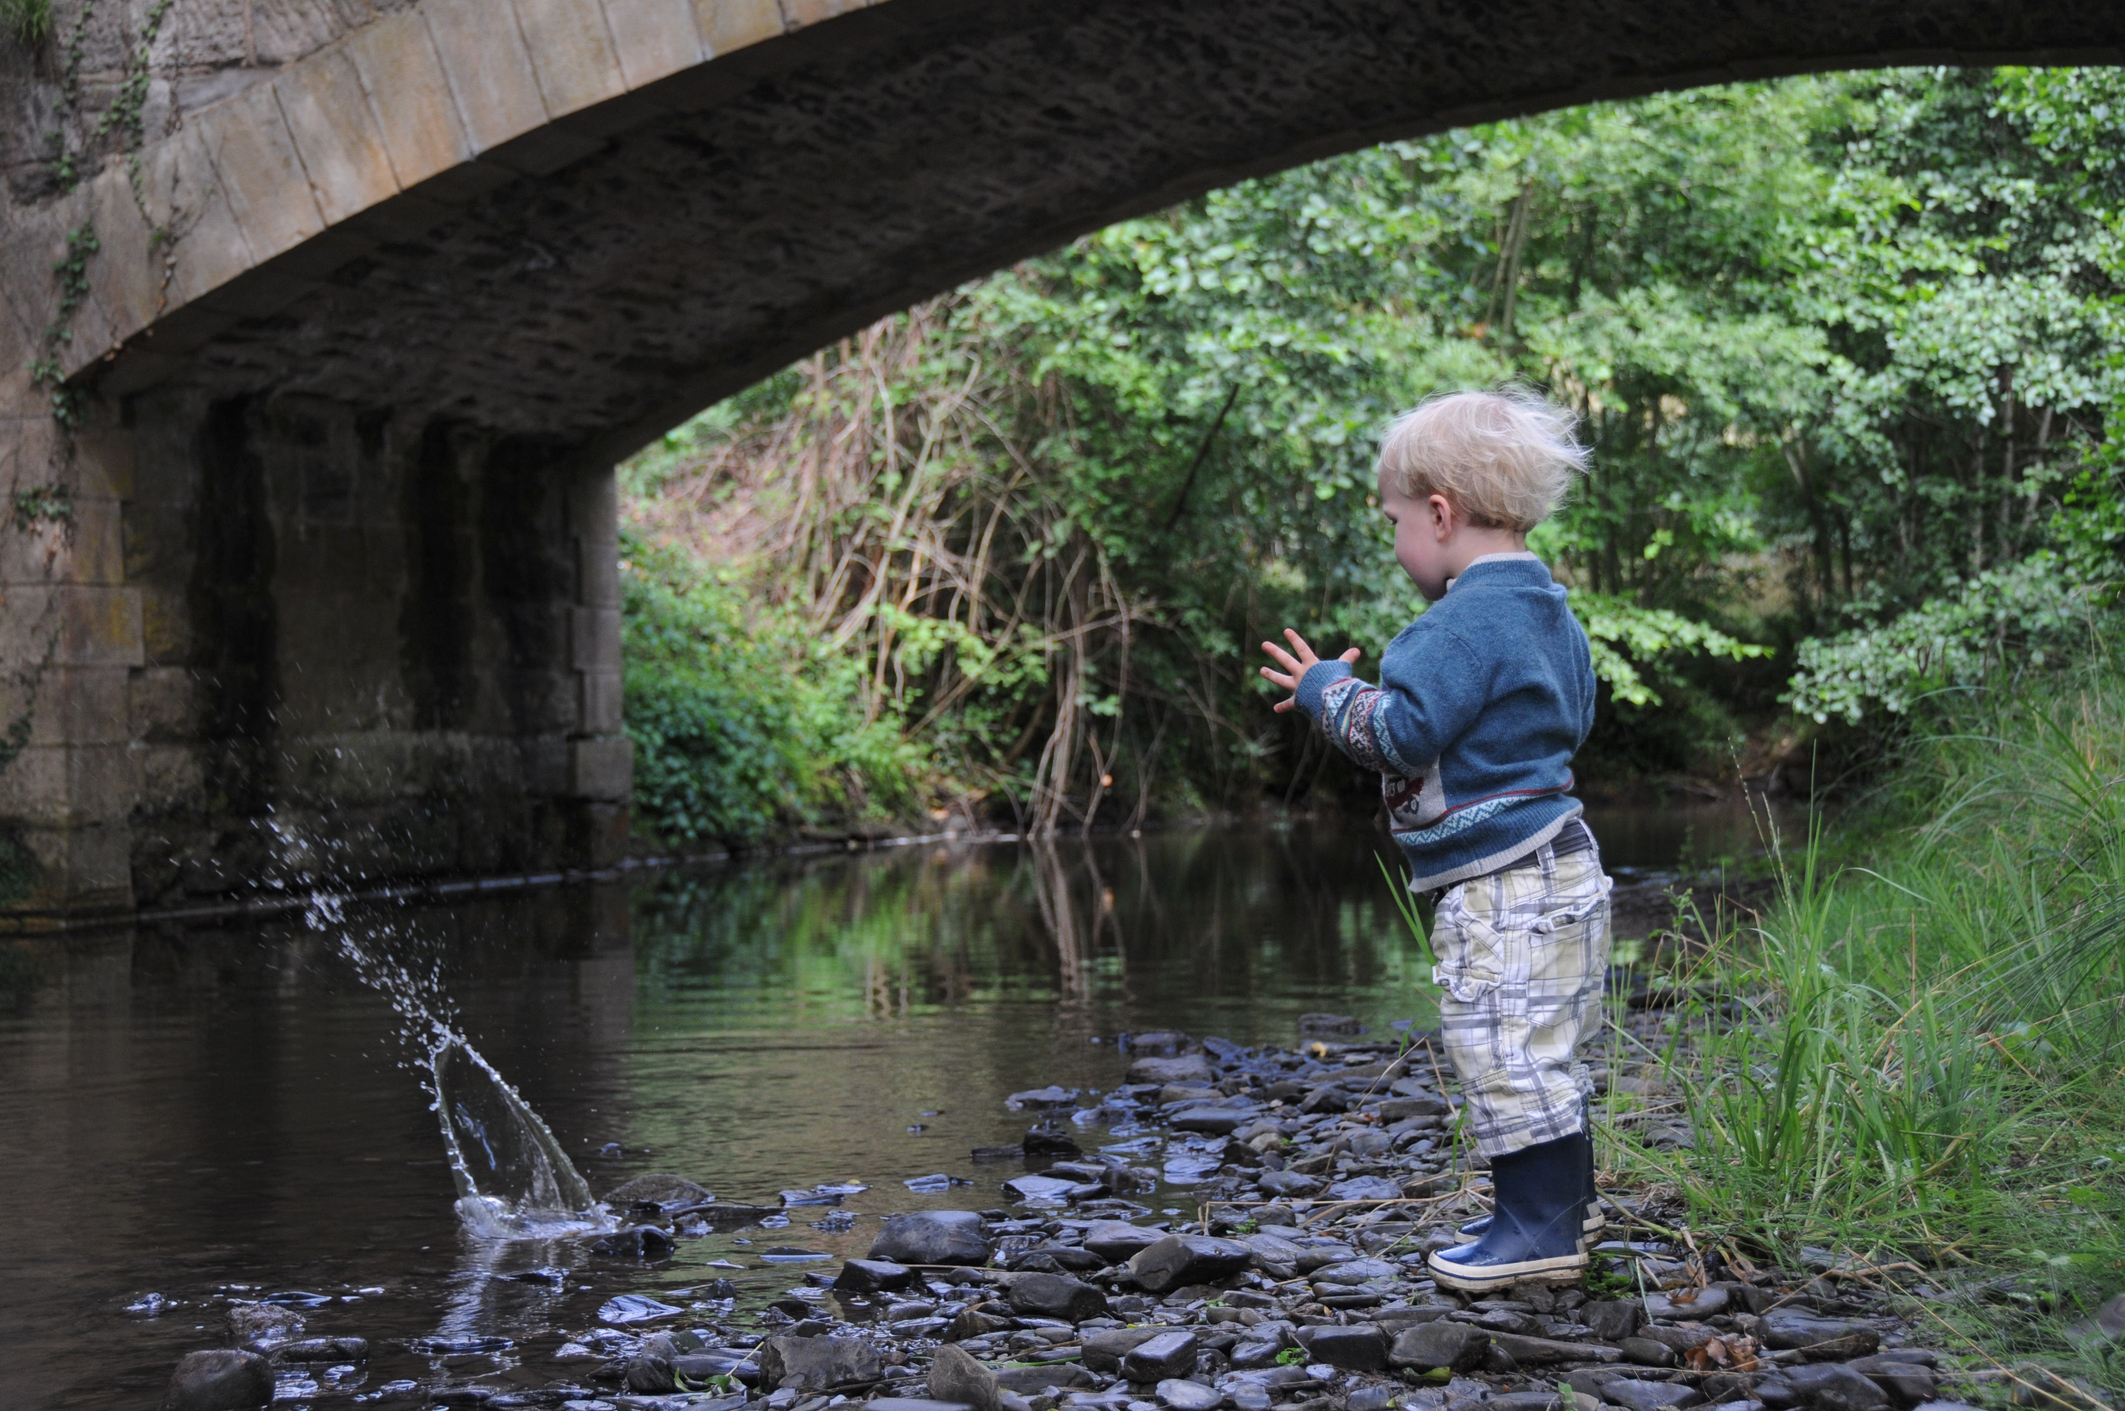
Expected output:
(571, 53)
(184, 196)
(338, 135)
(594, 639)
(67, 786)
(172, 777)
(726, 25)
(601, 768)
(416, 115)
(602, 699)
(81, 705)
(127, 271)
(653, 38)
(261, 173)
(98, 627)
(488, 69)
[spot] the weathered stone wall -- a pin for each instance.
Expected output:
(320, 320)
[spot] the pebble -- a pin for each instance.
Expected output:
(219, 1380)
(1182, 1395)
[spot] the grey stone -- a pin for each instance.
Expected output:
(1832, 1386)
(872, 1275)
(1116, 1240)
(1907, 1383)
(1039, 1099)
(340, 1349)
(1612, 1320)
(635, 1242)
(1171, 1353)
(1356, 1271)
(1178, 1260)
(1364, 1188)
(1287, 1183)
(1218, 1121)
(219, 1380)
(1650, 1396)
(818, 1363)
(1030, 1381)
(1056, 1296)
(653, 1370)
(256, 1322)
(1360, 1347)
(657, 1190)
(932, 1237)
(1188, 1068)
(1788, 1329)
(956, 1376)
(1535, 1352)
(1676, 1308)
(1456, 1346)
(1250, 1396)
(1103, 1351)
(1376, 1397)
(1646, 1352)
(2106, 1323)
(1182, 1395)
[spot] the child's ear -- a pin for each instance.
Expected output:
(1442, 515)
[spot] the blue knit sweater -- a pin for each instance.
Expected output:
(1481, 704)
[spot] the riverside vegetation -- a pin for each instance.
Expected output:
(1846, 350)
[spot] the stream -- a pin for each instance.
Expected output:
(194, 1112)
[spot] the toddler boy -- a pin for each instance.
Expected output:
(1481, 704)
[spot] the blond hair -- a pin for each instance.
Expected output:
(1505, 459)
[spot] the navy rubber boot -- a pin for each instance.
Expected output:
(1534, 1234)
(1594, 1223)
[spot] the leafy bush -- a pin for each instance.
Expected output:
(742, 724)
(2028, 614)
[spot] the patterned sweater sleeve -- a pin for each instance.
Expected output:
(1431, 688)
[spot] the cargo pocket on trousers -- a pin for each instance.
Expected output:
(1470, 959)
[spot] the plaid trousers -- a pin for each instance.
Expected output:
(1521, 957)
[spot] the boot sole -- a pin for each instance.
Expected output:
(1564, 1269)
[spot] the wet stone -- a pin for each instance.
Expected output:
(342, 1349)
(1456, 1346)
(652, 1369)
(1250, 1396)
(817, 1363)
(635, 1242)
(1799, 1330)
(1215, 1120)
(1056, 1296)
(219, 1380)
(659, 1190)
(956, 1376)
(1645, 1352)
(1182, 1395)
(932, 1237)
(1188, 1068)
(1178, 1260)
(255, 1322)
(872, 1275)
(1612, 1320)
(1637, 1395)
(1169, 1353)
(1358, 1348)
(1832, 1386)
(1038, 1099)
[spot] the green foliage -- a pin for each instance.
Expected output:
(28, 20)
(1917, 1059)
(42, 504)
(742, 725)
(2033, 614)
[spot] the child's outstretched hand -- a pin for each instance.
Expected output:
(1295, 666)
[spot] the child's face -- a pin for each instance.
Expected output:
(1424, 530)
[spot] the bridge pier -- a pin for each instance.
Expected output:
(274, 640)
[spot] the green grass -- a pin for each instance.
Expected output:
(1920, 1061)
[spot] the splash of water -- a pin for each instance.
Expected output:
(513, 1179)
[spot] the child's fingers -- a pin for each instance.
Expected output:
(1279, 679)
(1292, 636)
(1352, 655)
(1281, 657)
(1281, 706)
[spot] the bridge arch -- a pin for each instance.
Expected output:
(353, 306)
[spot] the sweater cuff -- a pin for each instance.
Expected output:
(1315, 683)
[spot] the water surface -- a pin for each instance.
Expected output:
(221, 1109)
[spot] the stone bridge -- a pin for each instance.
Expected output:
(323, 321)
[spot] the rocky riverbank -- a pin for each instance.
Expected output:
(1321, 1175)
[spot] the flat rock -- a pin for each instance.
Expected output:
(1186, 1068)
(1171, 1353)
(1647, 1352)
(1183, 1395)
(872, 1275)
(1360, 1347)
(1046, 1141)
(1218, 1121)
(932, 1237)
(818, 1363)
(1674, 1308)
(1356, 1271)
(1117, 1240)
(219, 1380)
(1103, 1351)
(1534, 1352)
(1649, 1396)
(1055, 1296)
(1364, 1188)
(1031, 1381)
(1832, 1386)
(341, 1349)
(1612, 1320)
(1049, 1188)
(1041, 1099)
(1287, 1183)
(254, 1322)
(1455, 1346)
(1179, 1260)
(956, 1376)
(657, 1189)
(1785, 1329)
